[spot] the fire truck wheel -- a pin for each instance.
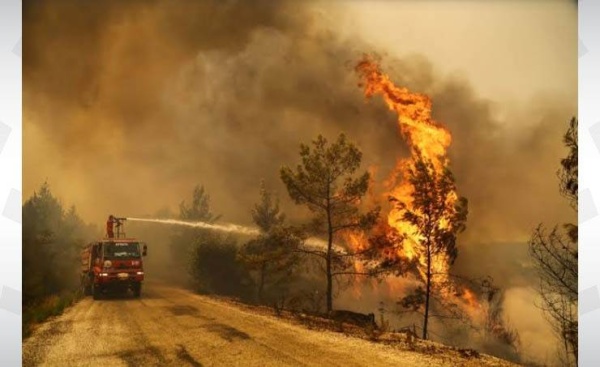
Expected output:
(96, 292)
(86, 286)
(137, 290)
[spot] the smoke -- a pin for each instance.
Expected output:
(130, 103)
(128, 106)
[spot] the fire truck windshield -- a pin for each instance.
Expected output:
(121, 250)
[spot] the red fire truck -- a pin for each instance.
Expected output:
(113, 263)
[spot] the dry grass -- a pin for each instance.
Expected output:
(48, 307)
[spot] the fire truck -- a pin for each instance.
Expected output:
(113, 263)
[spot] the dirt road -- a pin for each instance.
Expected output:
(173, 327)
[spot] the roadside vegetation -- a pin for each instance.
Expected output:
(52, 238)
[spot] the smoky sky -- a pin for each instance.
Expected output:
(128, 106)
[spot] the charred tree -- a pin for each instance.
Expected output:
(326, 183)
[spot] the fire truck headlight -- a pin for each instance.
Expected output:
(140, 273)
(103, 274)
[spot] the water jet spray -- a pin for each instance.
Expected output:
(227, 227)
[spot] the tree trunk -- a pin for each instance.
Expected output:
(566, 346)
(329, 286)
(328, 260)
(427, 292)
(261, 283)
(328, 268)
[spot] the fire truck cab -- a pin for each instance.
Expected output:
(112, 264)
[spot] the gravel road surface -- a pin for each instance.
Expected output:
(174, 327)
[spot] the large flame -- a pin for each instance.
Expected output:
(422, 134)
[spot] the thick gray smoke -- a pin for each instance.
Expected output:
(128, 106)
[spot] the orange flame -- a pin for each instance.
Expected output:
(422, 134)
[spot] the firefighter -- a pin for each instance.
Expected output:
(109, 226)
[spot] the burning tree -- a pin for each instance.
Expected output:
(555, 257)
(436, 217)
(427, 212)
(271, 256)
(325, 182)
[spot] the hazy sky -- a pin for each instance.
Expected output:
(506, 49)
